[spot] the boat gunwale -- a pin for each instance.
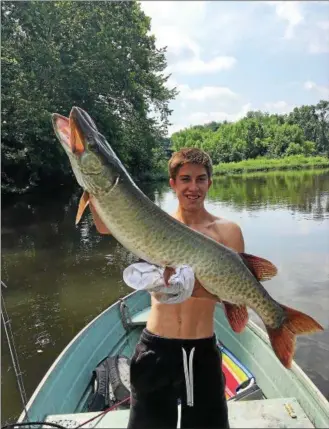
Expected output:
(300, 375)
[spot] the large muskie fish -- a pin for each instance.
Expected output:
(120, 208)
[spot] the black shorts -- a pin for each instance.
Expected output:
(164, 370)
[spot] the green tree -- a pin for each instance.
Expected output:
(314, 121)
(322, 138)
(96, 55)
(304, 131)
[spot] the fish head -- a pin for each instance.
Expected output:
(94, 163)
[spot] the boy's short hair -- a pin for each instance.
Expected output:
(189, 155)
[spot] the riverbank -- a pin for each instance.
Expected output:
(263, 164)
(259, 165)
(248, 166)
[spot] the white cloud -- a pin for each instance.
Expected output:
(206, 117)
(278, 107)
(171, 25)
(200, 105)
(322, 90)
(198, 66)
(324, 25)
(289, 11)
(200, 118)
(319, 38)
(304, 24)
(206, 93)
(201, 93)
(176, 41)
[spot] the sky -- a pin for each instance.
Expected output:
(229, 57)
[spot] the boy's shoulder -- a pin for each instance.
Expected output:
(229, 233)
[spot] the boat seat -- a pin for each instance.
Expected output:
(141, 317)
(263, 413)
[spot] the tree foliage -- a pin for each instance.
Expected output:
(95, 55)
(305, 131)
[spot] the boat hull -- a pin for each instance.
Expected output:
(64, 388)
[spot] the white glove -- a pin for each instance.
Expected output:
(144, 276)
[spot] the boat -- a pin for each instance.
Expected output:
(265, 394)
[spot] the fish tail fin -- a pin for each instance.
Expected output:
(237, 316)
(283, 338)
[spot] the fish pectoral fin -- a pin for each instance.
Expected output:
(84, 201)
(237, 316)
(100, 226)
(261, 268)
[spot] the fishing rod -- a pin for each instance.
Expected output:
(17, 370)
(12, 349)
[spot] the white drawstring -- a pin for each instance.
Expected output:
(188, 372)
(191, 375)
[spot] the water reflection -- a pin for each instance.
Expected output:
(305, 192)
(61, 276)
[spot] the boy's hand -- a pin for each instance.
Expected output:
(168, 272)
(198, 292)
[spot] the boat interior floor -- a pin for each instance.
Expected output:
(262, 413)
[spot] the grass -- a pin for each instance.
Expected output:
(295, 162)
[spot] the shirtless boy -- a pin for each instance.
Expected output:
(177, 356)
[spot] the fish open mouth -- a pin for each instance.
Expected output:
(71, 131)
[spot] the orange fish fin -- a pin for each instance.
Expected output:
(261, 268)
(100, 226)
(84, 201)
(237, 316)
(283, 339)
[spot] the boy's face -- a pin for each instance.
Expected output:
(191, 186)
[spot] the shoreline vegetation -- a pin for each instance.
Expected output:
(262, 164)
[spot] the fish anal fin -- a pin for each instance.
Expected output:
(261, 268)
(237, 316)
(283, 338)
(99, 224)
(84, 201)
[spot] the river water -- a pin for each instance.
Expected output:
(60, 276)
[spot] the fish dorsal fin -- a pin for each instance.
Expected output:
(100, 226)
(261, 268)
(84, 201)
